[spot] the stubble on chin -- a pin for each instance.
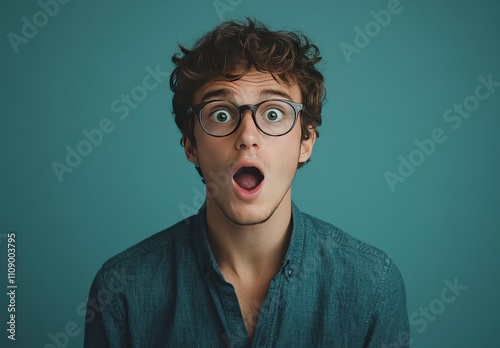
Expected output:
(240, 220)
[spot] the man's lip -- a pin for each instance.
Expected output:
(241, 192)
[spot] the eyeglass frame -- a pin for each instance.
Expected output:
(297, 107)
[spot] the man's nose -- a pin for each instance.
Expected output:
(248, 133)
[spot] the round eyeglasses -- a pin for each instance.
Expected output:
(274, 117)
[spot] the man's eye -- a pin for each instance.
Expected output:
(221, 116)
(273, 115)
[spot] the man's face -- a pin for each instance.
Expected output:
(246, 196)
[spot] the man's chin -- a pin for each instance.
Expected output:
(247, 212)
(248, 220)
(248, 215)
(243, 213)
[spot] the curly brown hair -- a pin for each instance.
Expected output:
(230, 50)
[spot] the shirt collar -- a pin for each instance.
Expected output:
(206, 259)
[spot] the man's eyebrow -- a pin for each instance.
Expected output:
(275, 93)
(217, 93)
(226, 94)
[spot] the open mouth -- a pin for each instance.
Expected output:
(248, 178)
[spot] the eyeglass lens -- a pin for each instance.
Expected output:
(273, 117)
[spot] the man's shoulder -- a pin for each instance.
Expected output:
(331, 239)
(155, 246)
(360, 265)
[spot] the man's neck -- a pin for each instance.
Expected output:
(250, 252)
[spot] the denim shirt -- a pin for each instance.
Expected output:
(167, 291)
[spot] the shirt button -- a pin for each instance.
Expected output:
(290, 271)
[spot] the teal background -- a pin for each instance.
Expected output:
(442, 222)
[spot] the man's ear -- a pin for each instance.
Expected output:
(190, 149)
(307, 145)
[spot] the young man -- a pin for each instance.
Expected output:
(250, 269)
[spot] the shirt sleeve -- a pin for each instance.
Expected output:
(105, 323)
(388, 325)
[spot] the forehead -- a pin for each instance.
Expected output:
(252, 87)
